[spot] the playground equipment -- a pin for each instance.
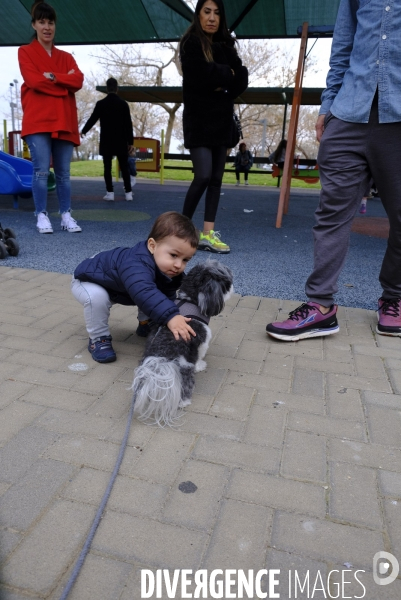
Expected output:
(15, 177)
(304, 169)
(16, 173)
(8, 243)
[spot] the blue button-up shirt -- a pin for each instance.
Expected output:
(365, 56)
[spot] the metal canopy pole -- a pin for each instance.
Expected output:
(292, 130)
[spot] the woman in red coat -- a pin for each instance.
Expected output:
(49, 123)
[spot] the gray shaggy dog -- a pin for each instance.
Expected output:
(165, 379)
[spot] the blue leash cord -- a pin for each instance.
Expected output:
(96, 521)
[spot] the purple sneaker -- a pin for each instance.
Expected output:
(306, 321)
(389, 317)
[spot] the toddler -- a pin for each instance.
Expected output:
(147, 275)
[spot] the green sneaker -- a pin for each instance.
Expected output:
(212, 243)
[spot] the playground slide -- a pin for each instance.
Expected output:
(15, 176)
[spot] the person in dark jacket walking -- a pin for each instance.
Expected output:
(116, 137)
(243, 162)
(213, 76)
(147, 275)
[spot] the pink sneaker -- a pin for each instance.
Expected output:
(389, 317)
(306, 321)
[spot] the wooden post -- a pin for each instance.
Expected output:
(162, 158)
(292, 131)
(5, 138)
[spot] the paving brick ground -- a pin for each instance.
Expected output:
(295, 450)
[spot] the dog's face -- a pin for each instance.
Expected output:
(209, 285)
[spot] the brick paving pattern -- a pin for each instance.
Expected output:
(295, 449)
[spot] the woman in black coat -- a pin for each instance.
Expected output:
(213, 76)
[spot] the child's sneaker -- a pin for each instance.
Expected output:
(246, 183)
(102, 351)
(43, 224)
(109, 197)
(362, 209)
(304, 322)
(389, 316)
(237, 183)
(128, 196)
(69, 224)
(211, 242)
(143, 329)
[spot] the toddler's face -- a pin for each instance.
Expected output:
(171, 254)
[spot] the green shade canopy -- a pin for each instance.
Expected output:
(257, 95)
(134, 21)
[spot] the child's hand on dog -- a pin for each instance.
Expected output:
(178, 326)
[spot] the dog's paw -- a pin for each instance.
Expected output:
(185, 403)
(200, 366)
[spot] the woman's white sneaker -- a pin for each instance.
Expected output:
(43, 223)
(69, 224)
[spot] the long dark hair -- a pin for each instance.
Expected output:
(42, 10)
(282, 146)
(222, 34)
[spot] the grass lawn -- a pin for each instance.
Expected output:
(94, 168)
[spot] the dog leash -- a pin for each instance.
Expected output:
(99, 514)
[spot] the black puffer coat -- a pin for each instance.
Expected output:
(208, 115)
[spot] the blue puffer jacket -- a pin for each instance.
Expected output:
(131, 277)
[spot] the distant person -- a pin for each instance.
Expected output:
(213, 76)
(132, 165)
(243, 162)
(359, 130)
(278, 156)
(49, 123)
(116, 137)
(147, 276)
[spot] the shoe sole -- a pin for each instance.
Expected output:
(71, 230)
(389, 333)
(105, 360)
(45, 231)
(307, 334)
(208, 249)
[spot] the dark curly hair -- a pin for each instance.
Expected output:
(176, 224)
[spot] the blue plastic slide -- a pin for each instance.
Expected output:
(15, 177)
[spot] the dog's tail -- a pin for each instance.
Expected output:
(157, 385)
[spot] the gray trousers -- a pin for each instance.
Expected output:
(349, 155)
(97, 304)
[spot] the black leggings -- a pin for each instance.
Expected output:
(209, 166)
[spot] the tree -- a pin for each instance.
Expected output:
(86, 99)
(155, 66)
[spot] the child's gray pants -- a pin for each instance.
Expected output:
(97, 304)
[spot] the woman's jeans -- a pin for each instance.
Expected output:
(97, 304)
(42, 146)
(209, 166)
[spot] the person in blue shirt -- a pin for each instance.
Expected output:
(147, 275)
(359, 127)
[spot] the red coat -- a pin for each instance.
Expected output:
(49, 106)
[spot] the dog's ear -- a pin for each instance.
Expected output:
(211, 298)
